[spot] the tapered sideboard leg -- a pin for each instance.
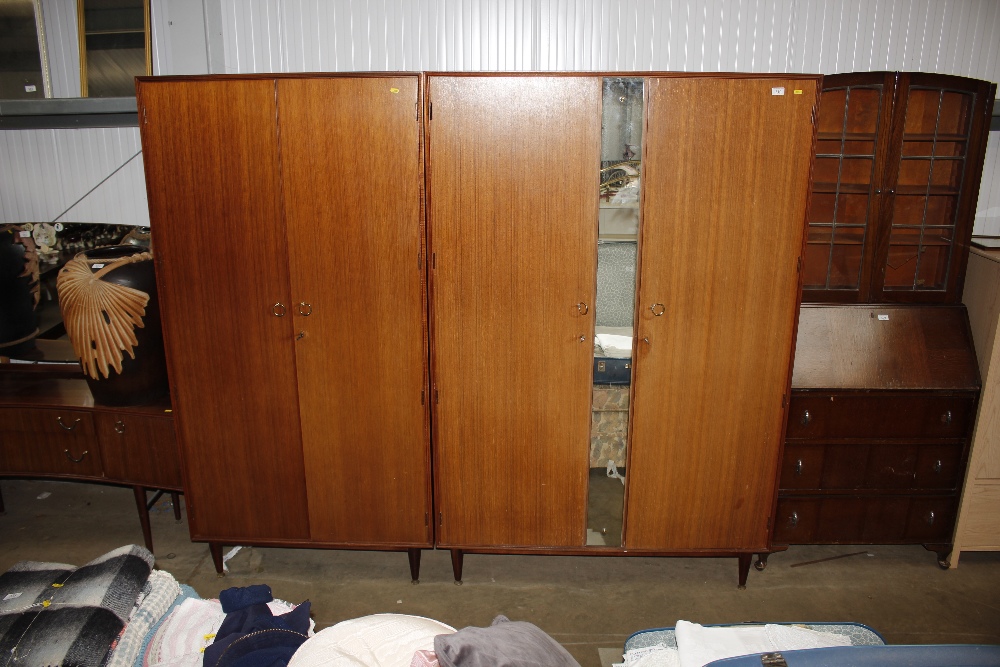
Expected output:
(216, 550)
(456, 565)
(414, 556)
(140, 504)
(744, 560)
(175, 498)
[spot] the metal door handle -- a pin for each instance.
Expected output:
(70, 456)
(793, 520)
(70, 427)
(806, 417)
(930, 518)
(305, 309)
(657, 309)
(119, 427)
(279, 309)
(582, 308)
(798, 467)
(937, 466)
(946, 417)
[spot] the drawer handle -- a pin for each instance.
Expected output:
(806, 417)
(798, 467)
(657, 309)
(582, 308)
(279, 309)
(67, 428)
(937, 466)
(119, 427)
(793, 520)
(79, 460)
(930, 518)
(946, 417)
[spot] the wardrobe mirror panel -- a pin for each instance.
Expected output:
(618, 228)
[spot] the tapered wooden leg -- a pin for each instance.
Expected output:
(456, 565)
(744, 560)
(761, 564)
(175, 498)
(140, 504)
(414, 556)
(215, 549)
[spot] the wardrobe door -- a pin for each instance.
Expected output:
(211, 158)
(726, 183)
(513, 195)
(351, 176)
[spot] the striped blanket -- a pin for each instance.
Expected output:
(55, 614)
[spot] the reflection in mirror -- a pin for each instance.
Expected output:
(621, 149)
(21, 62)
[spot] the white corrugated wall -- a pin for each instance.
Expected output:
(948, 36)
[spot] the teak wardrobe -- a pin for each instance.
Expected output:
(319, 331)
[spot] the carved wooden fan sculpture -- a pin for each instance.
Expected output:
(100, 317)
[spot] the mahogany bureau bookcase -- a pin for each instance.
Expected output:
(884, 395)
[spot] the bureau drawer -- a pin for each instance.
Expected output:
(864, 520)
(808, 466)
(58, 442)
(875, 416)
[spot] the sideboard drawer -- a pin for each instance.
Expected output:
(60, 442)
(139, 449)
(873, 416)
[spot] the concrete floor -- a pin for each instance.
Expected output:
(585, 603)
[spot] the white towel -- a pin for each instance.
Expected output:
(698, 645)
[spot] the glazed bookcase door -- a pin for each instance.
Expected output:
(726, 183)
(940, 125)
(211, 160)
(853, 134)
(513, 199)
(351, 173)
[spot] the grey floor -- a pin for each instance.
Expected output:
(585, 603)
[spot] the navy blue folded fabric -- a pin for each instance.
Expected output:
(234, 599)
(252, 636)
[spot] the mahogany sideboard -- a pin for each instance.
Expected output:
(51, 428)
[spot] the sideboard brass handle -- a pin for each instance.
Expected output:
(79, 460)
(70, 427)
(119, 427)
(305, 309)
(582, 308)
(657, 309)
(279, 309)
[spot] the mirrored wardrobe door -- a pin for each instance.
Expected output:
(620, 171)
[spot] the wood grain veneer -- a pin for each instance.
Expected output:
(513, 195)
(726, 183)
(211, 161)
(351, 173)
(914, 348)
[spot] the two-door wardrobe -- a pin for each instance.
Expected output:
(286, 213)
(684, 198)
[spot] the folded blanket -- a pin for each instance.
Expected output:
(55, 614)
(159, 593)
